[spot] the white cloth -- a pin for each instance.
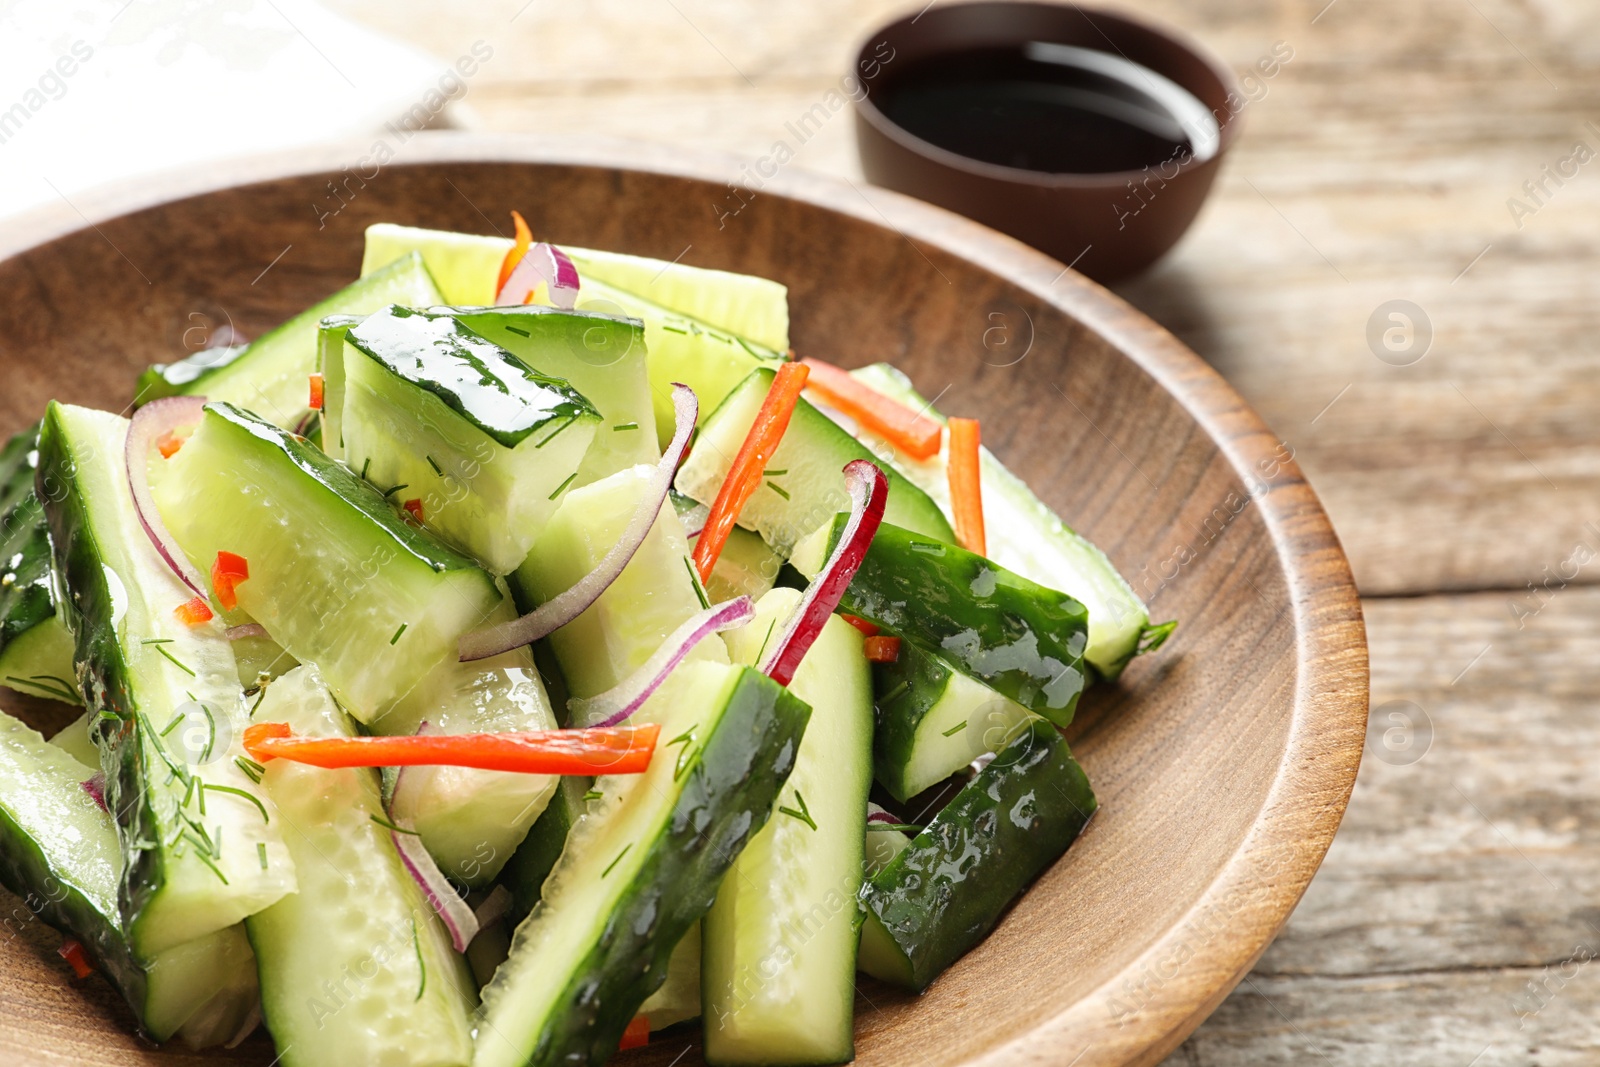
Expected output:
(93, 91)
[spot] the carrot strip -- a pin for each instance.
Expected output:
(745, 476)
(913, 433)
(637, 1035)
(514, 255)
(316, 392)
(168, 445)
(882, 649)
(966, 494)
(614, 750)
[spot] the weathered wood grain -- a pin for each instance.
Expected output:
(1456, 910)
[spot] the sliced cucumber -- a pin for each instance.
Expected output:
(747, 566)
(483, 442)
(170, 713)
(467, 266)
(653, 596)
(640, 867)
(1025, 536)
(35, 647)
(336, 577)
(804, 485)
(947, 889)
(355, 967)
(708, 360)
(884, 841)
(933, 720)
(76, 739)
(59, 854)
(678, 999)
(685, 346)
(780, 943)
(602, 356)
(270, 375)
(536, 857)
(1013, 635)
(471, 820)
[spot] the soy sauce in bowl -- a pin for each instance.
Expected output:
(1051, 108)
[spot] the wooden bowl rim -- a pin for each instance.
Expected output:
(1262, 881)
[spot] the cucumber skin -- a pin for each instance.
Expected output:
(928, 597)
(728, 797)
(426, 362)
(906, 692)
(946, 890)
(25, 598)
(52, 895)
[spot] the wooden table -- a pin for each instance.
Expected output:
(1457, 912)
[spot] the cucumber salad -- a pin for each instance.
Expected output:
(523, 651)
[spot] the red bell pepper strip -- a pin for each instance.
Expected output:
(744, 477)
(316, 392)
(193, 612)
(882, 649)
(226, 574)
(612, 750)
(910, 431)
(637, 1035)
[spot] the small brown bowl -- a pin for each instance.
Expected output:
(1109, 224)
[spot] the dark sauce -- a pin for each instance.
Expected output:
(1005, 106)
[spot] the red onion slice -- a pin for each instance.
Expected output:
(249, 629)
(564, 289)
(442, 896)
(149, 423)
(626, 697)
(568, 605)
(869, 493)
(545, 263)
(95, 786)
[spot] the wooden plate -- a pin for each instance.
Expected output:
(1223, 764)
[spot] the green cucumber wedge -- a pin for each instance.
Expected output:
(484, 443)
(60, 855)
(269, 376)
(679, 996)
(746, 566)
(355, 967)
(640, 867)
(709, 354)
(779, 961)
(1013, 635)
(933, 720)
(170, 714)
(536, 857)
(35, 647)
(467, 266)
(944, 892)
(804, 484)
(1025, 536)
(602, 356)
(654, 595)
(471, 821)
(336, 576)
